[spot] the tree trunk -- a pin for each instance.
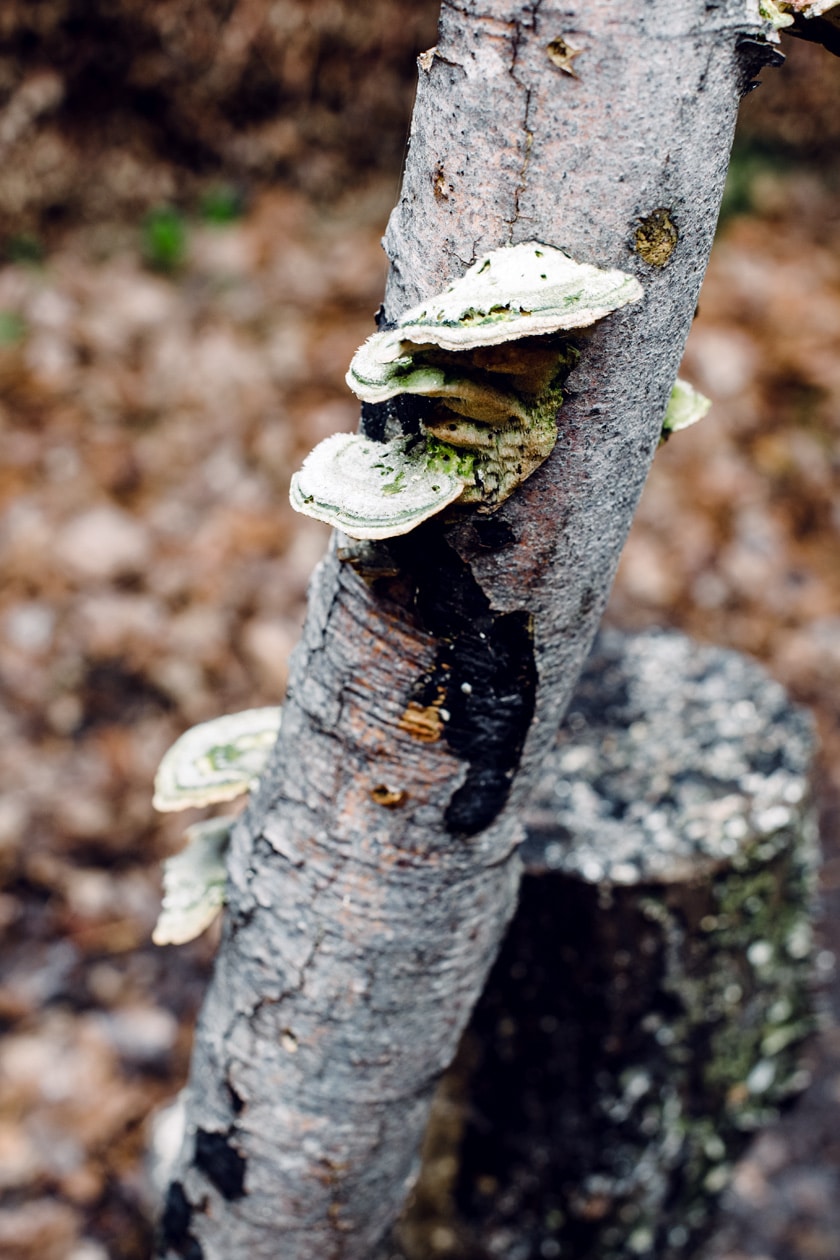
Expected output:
(363, 921)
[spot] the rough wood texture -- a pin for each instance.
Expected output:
(648, 1008)
(374, 874)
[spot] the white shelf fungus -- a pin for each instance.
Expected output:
(518, 291)
(686, 406)
(377, 489)
(216, 761)
(194, 883)
(468, 395)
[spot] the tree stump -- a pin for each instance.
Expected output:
(646, 1013)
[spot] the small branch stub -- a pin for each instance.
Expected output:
(562, 54)
(656, 238)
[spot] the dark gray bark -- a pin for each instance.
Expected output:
(360, 933)
(649, 1006)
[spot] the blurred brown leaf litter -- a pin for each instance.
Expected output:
(191, 201)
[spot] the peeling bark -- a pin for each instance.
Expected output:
(363, 921)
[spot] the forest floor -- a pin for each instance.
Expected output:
(157, 389)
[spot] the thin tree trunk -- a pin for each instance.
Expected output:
(363, 921)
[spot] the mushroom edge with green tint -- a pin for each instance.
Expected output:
(374, 490)
(216, 761)
(686, 405)
(194, 883)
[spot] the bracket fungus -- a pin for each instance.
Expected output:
(686, 406)
(377, 490)
(490, 354)
(216, 761)
(516, 291)
(194, 883)
(209, 764)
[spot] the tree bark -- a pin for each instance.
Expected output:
(374, 873)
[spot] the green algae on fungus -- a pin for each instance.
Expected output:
(374, 490)
(782, 13)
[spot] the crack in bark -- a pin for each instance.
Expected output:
(522, 182)
(467, 13)
(249, 1016)
(534, 11)
(522, 179)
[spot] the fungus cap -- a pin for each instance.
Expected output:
(194, 883)
(372, 490)
(525, 290)
(217, 760)
(686, 406)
